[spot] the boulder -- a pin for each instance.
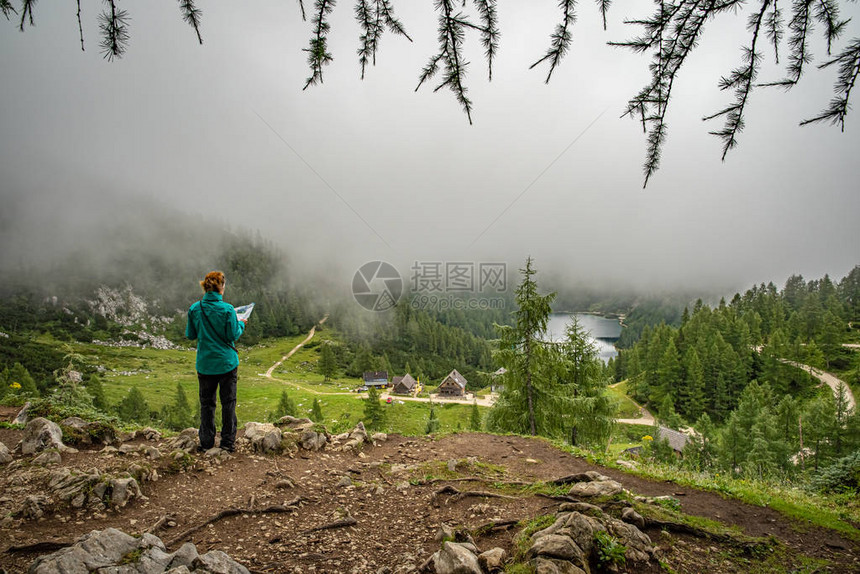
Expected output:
(217, 562)
(632, 517)
(263, 437)
(123, 490)
(493, 560)
(33, 506)
(113, 551)
(150, 433)
(379, 437)
(582, 529)
(556, 546)
(356, 438)
(23, 415)
(39, 434)
(312, 440)
(454, 558)
(5, 455)
(48, 457)
(294, 421)
(639, 546)
(185, 441)
(596, 488)
(554, 566)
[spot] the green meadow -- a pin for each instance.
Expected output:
(157, 372)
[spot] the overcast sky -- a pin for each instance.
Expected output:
(351, 170)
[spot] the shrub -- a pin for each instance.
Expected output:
(609, 550)
(841, 476)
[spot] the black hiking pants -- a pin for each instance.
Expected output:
(226, 386)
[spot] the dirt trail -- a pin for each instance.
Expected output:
(310, 336)
(645, 418)
(830, 380)
(486, 401)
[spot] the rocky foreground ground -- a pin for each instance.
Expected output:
(294, 498)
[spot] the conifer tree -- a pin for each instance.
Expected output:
(588, 410)
(374, 412)
(475, 418)
(528, 403)
(180, 415)
(96, 390)
(286, 406)
(316, 411)
(669, 373)
(133, 407)
(19, 374)
(694, 402)
(327, 364)
(432, 422)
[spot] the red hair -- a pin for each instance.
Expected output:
(214, 281)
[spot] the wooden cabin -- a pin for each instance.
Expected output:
(454, 385)
(404, 385)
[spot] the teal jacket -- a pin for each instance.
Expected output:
(214, 355)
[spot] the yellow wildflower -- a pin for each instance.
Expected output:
(647, 437)
(15, 386)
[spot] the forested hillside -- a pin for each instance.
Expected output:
(732, 372)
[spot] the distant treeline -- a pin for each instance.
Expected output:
(704, 364)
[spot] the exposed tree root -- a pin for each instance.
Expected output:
(159, 523)
(457, 495)
(751, 545)
(478, 479)
(38, 547)
(347, 521)
(274, 509)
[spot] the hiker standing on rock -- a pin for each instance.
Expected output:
(215, 326)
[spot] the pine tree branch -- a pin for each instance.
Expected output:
(318, 54)
(775, 30)
(373, 21)
(302, 7)
(26, 13)
(561, 39)
(7, 8)
(387, 11)
(191, 15)
(113, 24)
(80, 26)
(827, 13)
(451, 36)
(489, 32)
(671, 34)
(369, 39)
(604, 5)
(741, 79)
(849, 69)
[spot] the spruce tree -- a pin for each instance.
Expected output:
(526, 405)
(286, 406)
(327, 364)
(695, 402)
(96, 390)
(180, 415)
(588, 411)
(432, 422)
(133, 407)
(316, 411)
(374, 412)
(475, 418)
